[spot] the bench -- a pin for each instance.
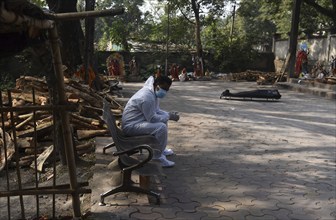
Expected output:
(134, 154)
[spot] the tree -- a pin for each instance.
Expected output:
(256, 29)
(315, 15)
(89, 38)
(70, 33)
(120, 30)
(326, 8)
(194, 12)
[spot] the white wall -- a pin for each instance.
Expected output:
(320, 49)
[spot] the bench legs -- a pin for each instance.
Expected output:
(108, 146)
(129, 187)
(144, 181)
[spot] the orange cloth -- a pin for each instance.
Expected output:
(114, 68)
(81, 74)
(174, 72)
(158, 73)
(301, 58)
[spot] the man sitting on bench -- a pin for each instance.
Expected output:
(143, 116)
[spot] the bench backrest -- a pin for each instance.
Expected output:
(110, 120)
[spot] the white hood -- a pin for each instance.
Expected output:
(149, 83)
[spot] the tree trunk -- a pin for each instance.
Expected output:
(199, 49)
(70, 33)
(89, 39)
(293, 36)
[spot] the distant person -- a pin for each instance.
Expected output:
(301, 65)
(158, 71)
(174, 72)
(183, 76)
(333, 66)
(133, 67)
(143, 116)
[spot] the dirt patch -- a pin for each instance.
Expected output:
(42, 205)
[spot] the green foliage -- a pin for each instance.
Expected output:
(11, 69)
(231, 54)
(256, 22)
(21, 64)
(256, 29)
(120, 29)
(213, 7)
(6, 82)
(280, 14)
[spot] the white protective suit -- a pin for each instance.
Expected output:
(143, 116)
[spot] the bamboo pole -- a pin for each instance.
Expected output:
(68, 107)
(84, 14)
(69, 150)
(29, 192)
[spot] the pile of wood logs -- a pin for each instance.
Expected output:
(36, 128)
(261, 78)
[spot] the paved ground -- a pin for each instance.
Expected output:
(236, 159)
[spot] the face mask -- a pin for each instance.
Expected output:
(161, 93)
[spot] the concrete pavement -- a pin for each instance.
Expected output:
(236, 159)
(310, 87)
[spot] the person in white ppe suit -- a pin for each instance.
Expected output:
(143, 116)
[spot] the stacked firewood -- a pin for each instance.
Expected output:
(34, 129)
(261, 78)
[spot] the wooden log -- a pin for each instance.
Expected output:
(39, 89)
(30, 82)
(40, 146)
(4, 120)
(24, 143)
(31, 78)
(88, 145)
(84, 89)
(85, 151)
(41, 129)
(85, 14)
(47, 118)
(6, 125)
(81, 87)
(20, 95)
(78, 124)
(42, 158)
(25, 116)
(64, 107)
(114, 103)
(87, 134)
(25, 162)
(16, 103)
(91, 121)
(22, 163)
(23, 123)
(29, 157)
(7, 148)
(85, 96)
(89, 111)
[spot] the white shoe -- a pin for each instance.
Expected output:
(168, 152)
(165, 163)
